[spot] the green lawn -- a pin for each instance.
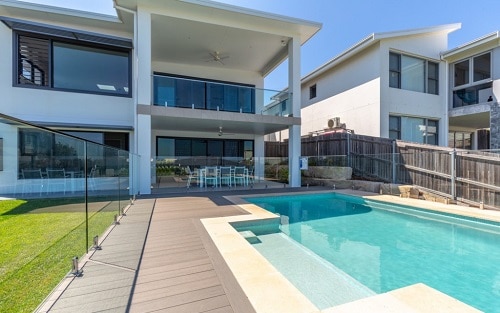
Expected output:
(38, 239)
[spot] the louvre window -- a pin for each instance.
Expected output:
(33, 67)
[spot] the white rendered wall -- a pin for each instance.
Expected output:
(350, 91)
(358, 108)
(57, 106)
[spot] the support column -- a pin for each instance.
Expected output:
(144, 145)
(144, 57)
(294, 142)
(259, 159)
(143, 121)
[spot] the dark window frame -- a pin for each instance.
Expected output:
(400, 128)
(240, 143)
(17, 66)
(471, 81)
(397, 130)
(313, 91)
(397, 72)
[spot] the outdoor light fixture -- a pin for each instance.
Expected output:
(96, 245)
(116, 222)
(122, 211)
(74, 267)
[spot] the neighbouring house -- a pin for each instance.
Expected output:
(405, 85)
(164, 79)
(474, 93)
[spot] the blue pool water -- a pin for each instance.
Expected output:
(385, 247)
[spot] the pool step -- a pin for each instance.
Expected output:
(249, 236)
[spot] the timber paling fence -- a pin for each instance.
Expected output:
(472, 177)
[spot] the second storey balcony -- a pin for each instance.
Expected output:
(180, 92)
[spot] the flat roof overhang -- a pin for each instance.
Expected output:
(189, 31)
(208, 122)
(470, 117)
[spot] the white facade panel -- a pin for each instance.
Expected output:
(347, 75)
(358, 108)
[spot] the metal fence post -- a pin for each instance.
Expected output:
(453, 174)
(394, 167)
(349, 151)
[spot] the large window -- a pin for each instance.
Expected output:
(413, 129)
(47, 62)
(415, 74)
(472, 81)
(214, 148)
(480, 71)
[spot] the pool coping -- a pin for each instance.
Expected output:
(269, 291)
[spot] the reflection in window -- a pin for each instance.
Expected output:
(181, 147)
(412, 74)
(199, 94)
(414, 129)
(394, 127)
(481, 70)
(73, 67)
(460, 140)
(415, 74)
(90, 69)
(462, 73)
(482, 67)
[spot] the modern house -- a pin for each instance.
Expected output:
(165, 79)
(402, 85)
(474, 92)
(386, 85)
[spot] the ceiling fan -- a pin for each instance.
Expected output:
(220, 133)
(216, 57)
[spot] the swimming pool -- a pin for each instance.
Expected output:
(385, 246)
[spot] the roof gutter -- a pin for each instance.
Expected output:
(471, 44)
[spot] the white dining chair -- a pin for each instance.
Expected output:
(211, 175)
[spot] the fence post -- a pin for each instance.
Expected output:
(349, 151)
(394, 167)
(453, 173)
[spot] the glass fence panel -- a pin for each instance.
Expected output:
(56, 192)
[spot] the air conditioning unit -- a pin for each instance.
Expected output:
(334, 122)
